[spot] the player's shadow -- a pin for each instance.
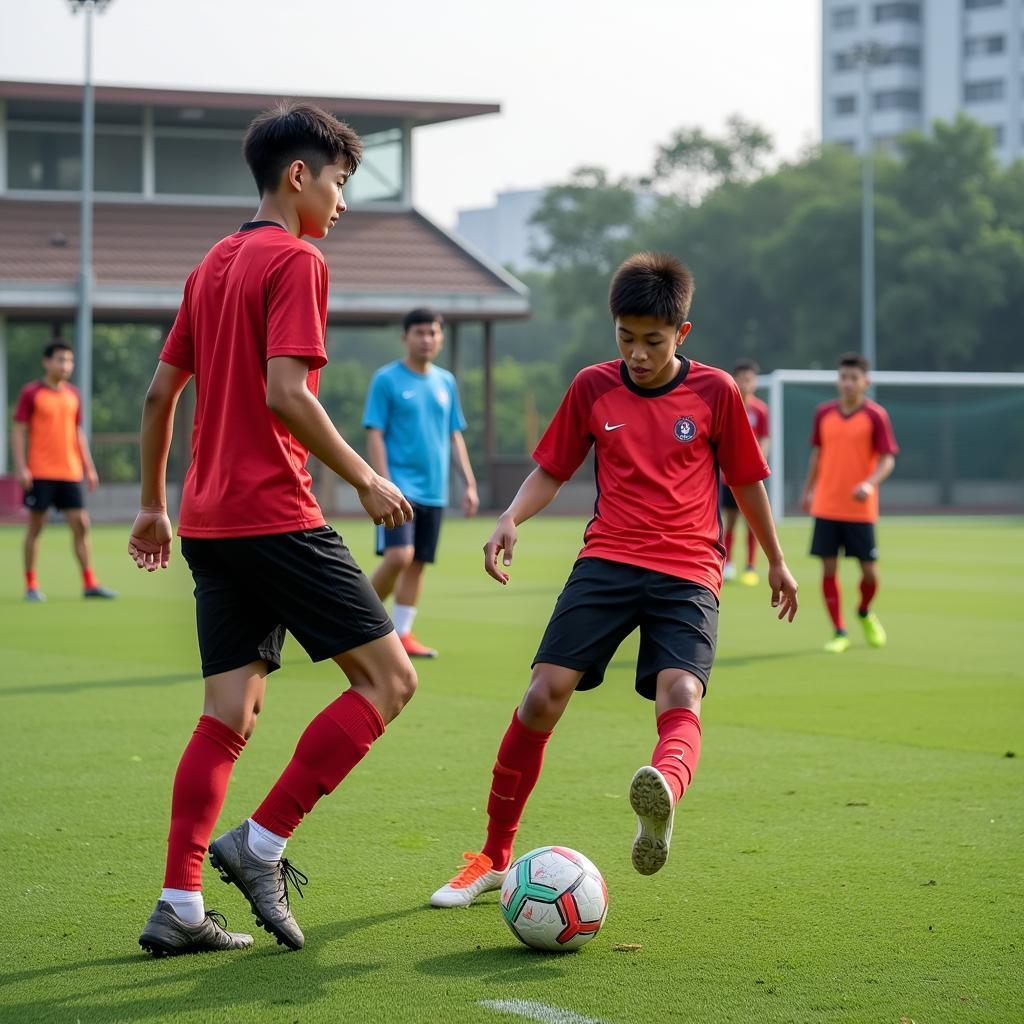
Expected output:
(740, 660)
(97, 684)
(510, 962)
(244, 984)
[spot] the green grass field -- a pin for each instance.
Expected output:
(852, 850)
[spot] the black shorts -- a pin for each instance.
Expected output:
(60, 494)
(603, 602)
(249, 590)
(421, 534)
(856, 539)
(725, 496)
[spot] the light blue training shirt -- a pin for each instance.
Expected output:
(417, 414)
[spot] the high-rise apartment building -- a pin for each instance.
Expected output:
(889, 67)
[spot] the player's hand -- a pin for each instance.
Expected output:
(502, 540)
(864, 490)
(149, 544)
(92, 481)
(25, 479)
(784, 589)
(806, 500)
(384, 503)
(470, 501)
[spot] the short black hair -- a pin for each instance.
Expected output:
(652, 284)
(297, 131)
(421, 315)
(745, 366)
(56, 346)
(854, 359)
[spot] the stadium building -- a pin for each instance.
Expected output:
(170, 181)
(890, 67)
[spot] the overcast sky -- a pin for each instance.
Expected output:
(579, 81)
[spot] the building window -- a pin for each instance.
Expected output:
(898, 99)
(50, 160)
(977, 5)
(998, 134)
(897, 12)
(844, 105)
(984, 92)
(896, 56)
(984, 46)
(844, 17)
(379, 178)
(201, 165)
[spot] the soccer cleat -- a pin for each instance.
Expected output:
(749, 578)
(263, 883)
(475, 878)
(838, 644)
(729, 572)
(651, 798)
(104, 592)
(166, 934)
(34, 595)
(415, 649)
(874, 632)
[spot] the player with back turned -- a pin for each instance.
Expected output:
(661, 425)
(250, 332)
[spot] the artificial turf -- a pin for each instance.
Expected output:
(852, 849)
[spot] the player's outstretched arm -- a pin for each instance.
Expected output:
(291, 401)
(864, 490)
(536, 493)
(460, 454)
(753, 502)
(149, 543)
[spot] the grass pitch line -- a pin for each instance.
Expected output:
(537, 1011)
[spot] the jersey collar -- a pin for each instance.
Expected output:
(654, 392)
(251, 225)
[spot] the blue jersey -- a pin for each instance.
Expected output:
(417, 413)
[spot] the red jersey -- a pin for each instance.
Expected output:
(259, 293)
(850, 444)
(53, 416)
(658, 453)
(757, 415)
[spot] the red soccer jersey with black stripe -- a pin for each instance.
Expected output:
(658, 453)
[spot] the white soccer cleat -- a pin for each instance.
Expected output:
(651, 798)
(475, 878)
(729, 572)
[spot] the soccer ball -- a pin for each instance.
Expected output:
(554, 899)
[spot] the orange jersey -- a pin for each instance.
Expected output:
(52, 416)
(850, 445)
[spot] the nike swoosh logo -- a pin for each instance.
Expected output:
(617, 426)
(408, 394)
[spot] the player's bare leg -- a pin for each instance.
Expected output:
(874, 632)
(657, 788)
(729, 518)
(515, 773)
(251, 855)
(389, 568)
(78, 523)
(36, 525)
(408, 590)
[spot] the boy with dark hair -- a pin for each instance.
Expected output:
(51, 459)
(745, 374)
(414, 424)
(251, 332)
(661, 425)
(853, 449)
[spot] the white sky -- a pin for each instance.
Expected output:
(579, 81)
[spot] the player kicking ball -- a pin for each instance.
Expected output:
(251, 332)
(661, 425)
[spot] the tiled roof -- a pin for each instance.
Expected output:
(144, 247)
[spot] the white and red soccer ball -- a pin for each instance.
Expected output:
(554, 899)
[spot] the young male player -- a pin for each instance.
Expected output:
(51, 459)
(853, 449)
(251, 332)
(652, 556)
(745, 374)
(414, 425)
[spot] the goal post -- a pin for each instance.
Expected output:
(961, 438)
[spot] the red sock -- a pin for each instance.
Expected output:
(678, 749)
(199, 787)
(727, 540)
(516, 771)
(751, 548)
(833, 601)
(31, 579)
(332, 745)
(867, 594)
(89, 579)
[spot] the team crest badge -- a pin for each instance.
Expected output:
(685, 429)
(442, 396)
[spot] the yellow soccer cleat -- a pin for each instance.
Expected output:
(874, 632)
(749, 578)
(838, 644)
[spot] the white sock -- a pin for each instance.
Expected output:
(265, 844)
(187, 904)
(402, 617)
